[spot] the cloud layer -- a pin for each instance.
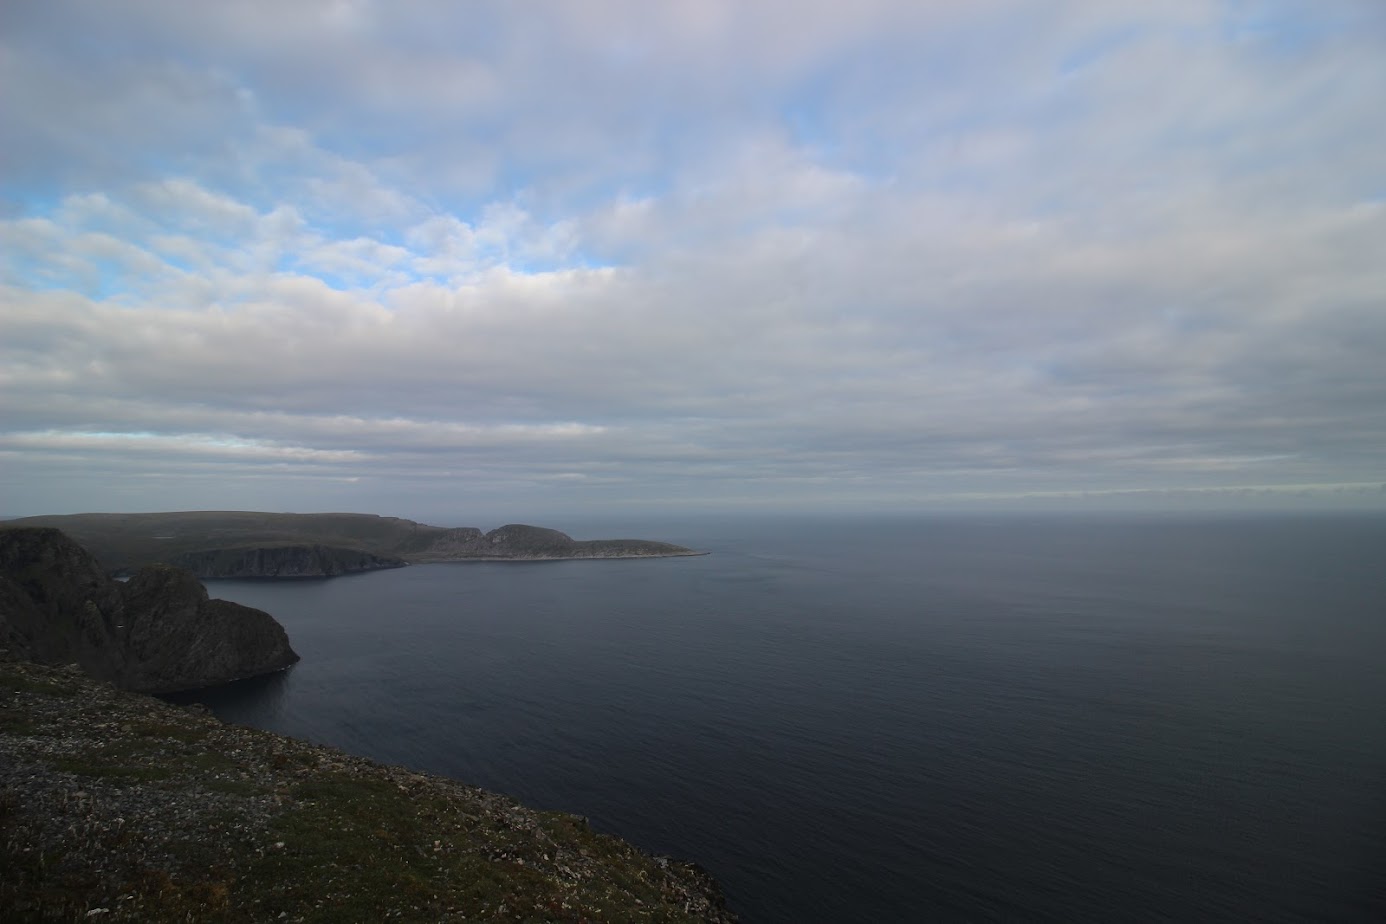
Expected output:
(418, 257)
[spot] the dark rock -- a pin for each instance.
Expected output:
(519, 542)
(157, 633)
(43, 573)
(519, 539)
(282, 561)
(176, 638)
(255, 544)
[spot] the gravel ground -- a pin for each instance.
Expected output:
(120, 807)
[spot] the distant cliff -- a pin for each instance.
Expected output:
(247, 544)
(282, 561)
(535, 543)
(158, 632)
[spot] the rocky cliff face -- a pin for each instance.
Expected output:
(54, 599)
(157, 633)
(250, 544)
(519, 542)
(283, 561)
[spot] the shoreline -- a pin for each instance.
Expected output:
(510, 559)
(126, 806)
(532, 558)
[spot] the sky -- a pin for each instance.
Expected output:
(475, 262)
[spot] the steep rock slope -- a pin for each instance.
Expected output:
(281, 561)
(157, 633)
(517, 541)
(123, 542)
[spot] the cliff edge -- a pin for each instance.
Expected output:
(156, 633)
(281, 561)
(519, 542)
(232, 543)
(120, 807)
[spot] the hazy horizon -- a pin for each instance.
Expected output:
(588, 523)
(489, 263)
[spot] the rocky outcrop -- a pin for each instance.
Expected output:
(283, 561)
(54, 600)
(176, 638)
(123, 808)
(518, 542)
(222, 543)
(157, 633)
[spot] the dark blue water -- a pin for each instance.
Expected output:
(889, 720)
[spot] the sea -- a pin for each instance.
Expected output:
(852, 719)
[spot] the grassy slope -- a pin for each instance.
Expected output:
(114, 801)
(123, 541)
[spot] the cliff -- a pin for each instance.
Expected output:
(282, 561)
(120, 807)
(158, 632)
(517, 542)
(249, 544)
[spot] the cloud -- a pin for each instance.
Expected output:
(629, 253)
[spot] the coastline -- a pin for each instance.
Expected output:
(127, 807)
(247, 544)
(461, 560)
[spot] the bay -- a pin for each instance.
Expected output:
(900, 719)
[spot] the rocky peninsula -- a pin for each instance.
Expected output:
(227, 544)
(282, 561)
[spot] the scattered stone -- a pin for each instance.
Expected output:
(125, 808)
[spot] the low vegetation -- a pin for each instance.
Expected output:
(250, 544)
(120, 807)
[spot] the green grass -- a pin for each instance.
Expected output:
(158, 751)
(168, 730)
(207, 762)
(113, 772)
(364, 836)
(339, 846)
(17, 723)
(234, 787)
(21, 684)
(373, 847)
(350, 849)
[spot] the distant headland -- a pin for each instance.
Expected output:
(244, 544)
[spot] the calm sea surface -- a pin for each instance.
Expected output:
(891, 720)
